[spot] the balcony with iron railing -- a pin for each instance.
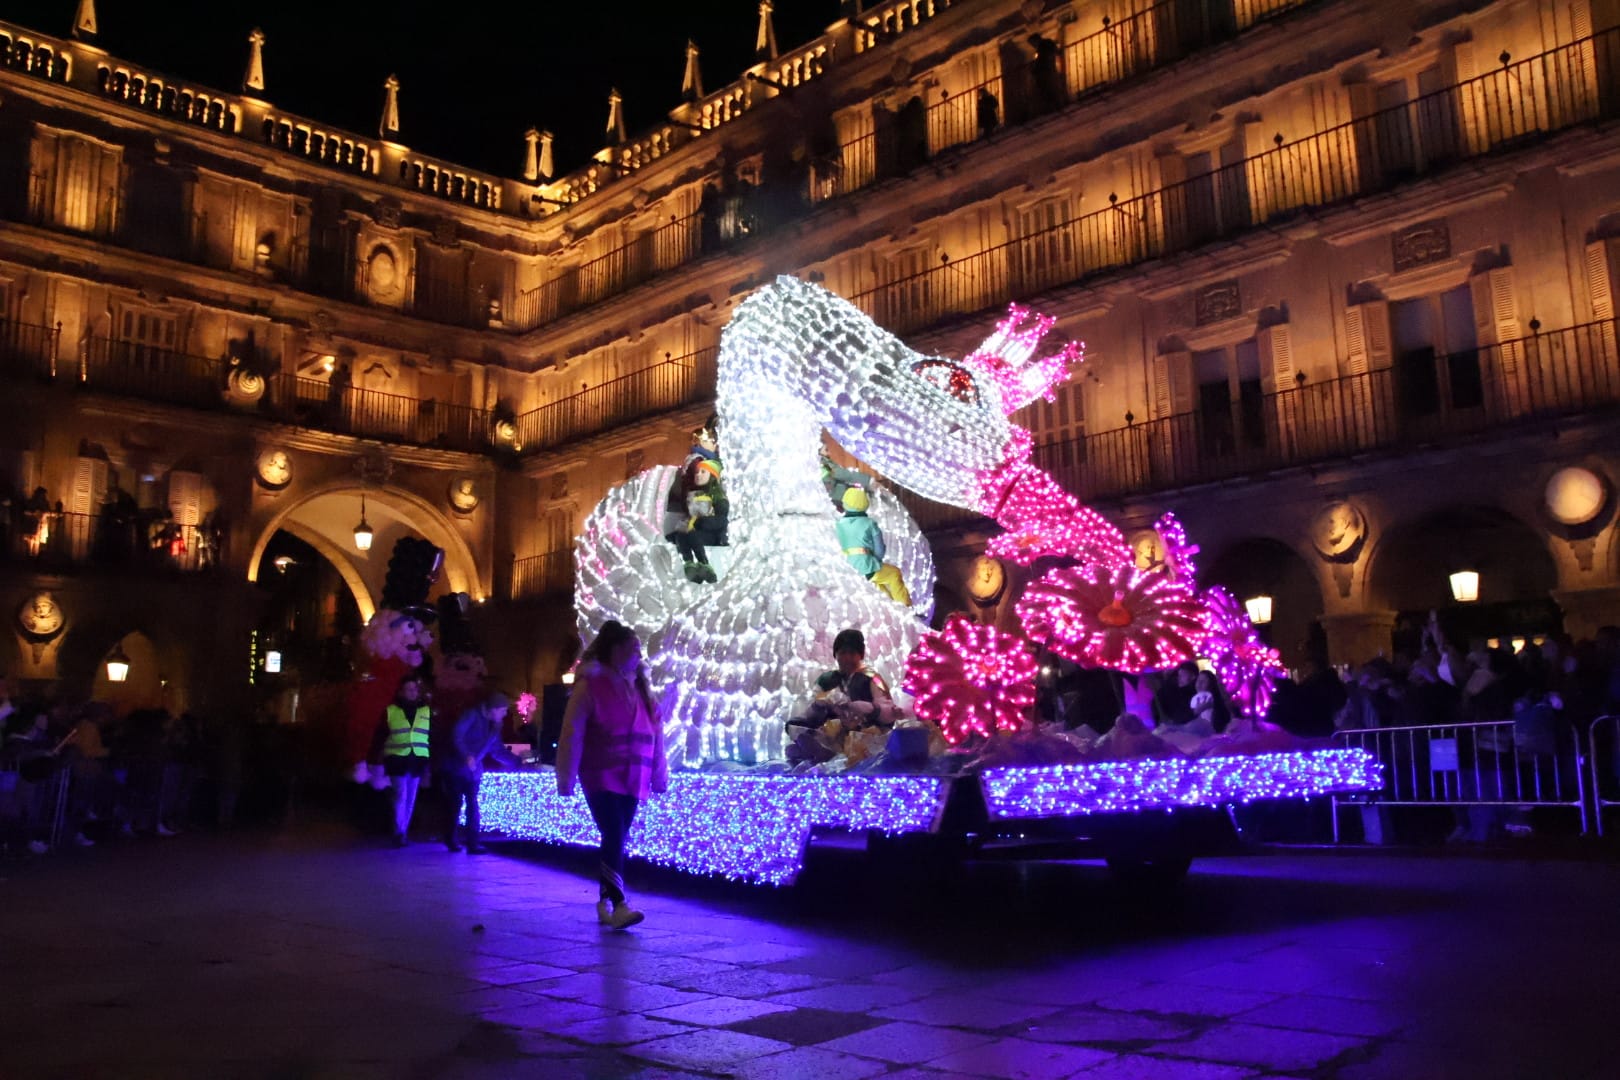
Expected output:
(1422, 399)
(1113, 54)
(537, 577)
(610, 274)
(169, 377)
(674, 382)
(1511, 107)
(145, 541)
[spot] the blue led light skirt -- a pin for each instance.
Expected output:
(1114, 787)
(748, 828)
(754, 828)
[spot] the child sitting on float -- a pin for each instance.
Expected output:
(862, 541)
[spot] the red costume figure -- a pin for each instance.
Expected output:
(395, 642)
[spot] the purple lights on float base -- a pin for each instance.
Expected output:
(747, 828)
(754, 828)
(1117, 787)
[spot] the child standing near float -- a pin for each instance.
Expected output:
(612, 746)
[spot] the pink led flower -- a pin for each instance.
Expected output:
(971, 680)
(1246, 666)
(1119, 618)
(526, 704)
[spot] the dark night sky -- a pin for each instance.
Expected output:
(474, 75)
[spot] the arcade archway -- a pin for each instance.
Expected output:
(325, 520)
(1412, 565)
(1262, 566)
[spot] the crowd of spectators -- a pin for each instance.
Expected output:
(82, 774)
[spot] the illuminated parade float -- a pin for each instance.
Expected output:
(737, 641)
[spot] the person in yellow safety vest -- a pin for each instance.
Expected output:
(404, 739)
(862, 542)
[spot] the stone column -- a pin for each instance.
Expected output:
(1587, 609)
(1356, 637)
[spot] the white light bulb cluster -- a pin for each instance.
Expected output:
(796, 361)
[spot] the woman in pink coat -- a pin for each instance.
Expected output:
(612, 745)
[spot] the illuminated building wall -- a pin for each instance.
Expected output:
(1342, 269)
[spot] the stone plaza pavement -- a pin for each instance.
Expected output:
(319, 955)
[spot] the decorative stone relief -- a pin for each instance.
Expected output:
(1147, 549)
(1583, 550)
(1574, 496)
(274, 468)
(1338, 531)
(386, 212)
(1217, 302)
(559, 485)
(1421, 244)
(41, 617)
(382, 273)
(464, 494)
(445, 233)
(633, 463)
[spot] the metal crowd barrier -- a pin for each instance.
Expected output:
(1498, 763)
(1603, 743)
(33, 810)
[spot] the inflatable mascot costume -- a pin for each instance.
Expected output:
(394, 643)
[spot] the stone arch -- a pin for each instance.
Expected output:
(1412, 560)
(1264, 565)
(158, 674)
(324, 518)
(340, 562)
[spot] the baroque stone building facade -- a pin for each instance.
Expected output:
(1345, 270)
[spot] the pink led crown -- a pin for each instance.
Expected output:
(1007, 358)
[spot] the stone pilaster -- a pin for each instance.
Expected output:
(1356, 637)
(1587, 609)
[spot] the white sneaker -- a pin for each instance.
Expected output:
(164, 830)
(38, 847)
(624, 917)
(84, 841)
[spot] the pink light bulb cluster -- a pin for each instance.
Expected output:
(1007, 358)
(1246, 666)
(1120, 618)
(971, 680)
(1096, 608)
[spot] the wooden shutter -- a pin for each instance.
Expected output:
(1496, 310)
(1159, 389)
(1472, 97)
(1583, 58)
(1496, 323)
(1169, 181)
(1277, 380)
(1276, 359)
(1172, 384)
(1600, 290)
(185, 497)
(1599, 282)
(1367, 352)
(90, 477)
(1366, 329)
(245, 219)
(1368, 172)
